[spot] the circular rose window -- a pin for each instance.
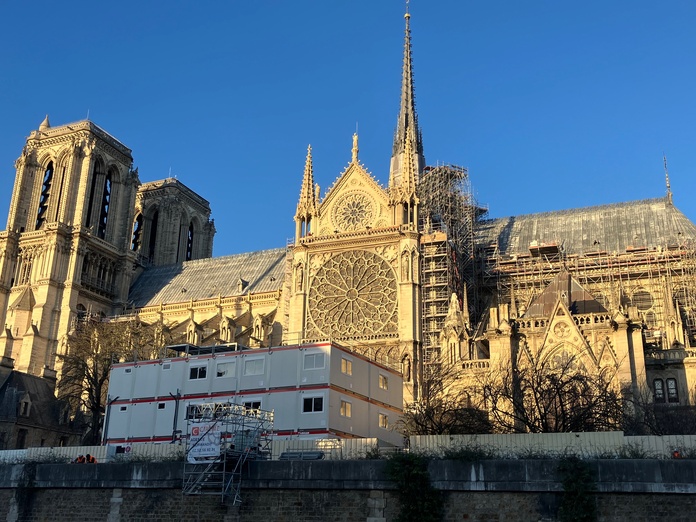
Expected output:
(353, 294)
(354, 211)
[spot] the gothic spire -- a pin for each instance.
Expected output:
(407, 122)
(409, 175)
(669, 188)
(307, 205)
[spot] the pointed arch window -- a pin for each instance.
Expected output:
(105, 203)
(96, 176)
(137, 233)
(153, 236)
(45, 195)
(189, 242)
(672, 392)
(659, 390)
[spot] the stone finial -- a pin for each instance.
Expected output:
(355, 147)
(45, 124)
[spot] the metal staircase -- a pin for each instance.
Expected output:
(222, 437)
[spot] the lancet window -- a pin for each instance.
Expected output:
(105, 203)
(189, 243)
(137, 233)
(153, 236)
(97, 173)
(45, 195)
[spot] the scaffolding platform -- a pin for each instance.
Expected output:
(222, 437)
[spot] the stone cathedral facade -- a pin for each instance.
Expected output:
(408, 272)
(80, 228)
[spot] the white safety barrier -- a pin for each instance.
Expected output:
(333, 449)
(532, 445)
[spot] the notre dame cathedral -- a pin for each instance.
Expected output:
(411, 272)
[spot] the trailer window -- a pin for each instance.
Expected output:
(198, 372)
(313, 361)
(312, 404)
(253, 367)
(225, 369)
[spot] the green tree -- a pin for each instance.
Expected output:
(419, 501)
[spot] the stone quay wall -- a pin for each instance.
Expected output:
(345, 491)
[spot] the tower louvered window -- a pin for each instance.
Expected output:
(137, 233)
(104, 212)
(96, 174)
(45, 195)
(153, 236)
(189, 243)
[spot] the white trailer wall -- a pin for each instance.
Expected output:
(143, 396)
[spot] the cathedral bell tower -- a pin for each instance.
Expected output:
(65, 251)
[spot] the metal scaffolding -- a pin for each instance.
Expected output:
(448, 218)
(221, 438)
(659, 284)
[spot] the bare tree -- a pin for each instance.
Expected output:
(443, 407)
(553, 394)
(90, 350)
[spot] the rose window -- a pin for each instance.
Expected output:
(353, 294)
(353, 212)
(561, 329)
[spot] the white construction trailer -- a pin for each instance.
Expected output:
(315, 391)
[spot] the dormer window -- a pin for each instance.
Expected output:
(24, 408)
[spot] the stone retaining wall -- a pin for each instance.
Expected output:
(345, 491)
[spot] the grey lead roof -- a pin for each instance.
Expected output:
(261, 271)
(612, 228)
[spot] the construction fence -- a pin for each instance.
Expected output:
(514, 446)
(539, 445)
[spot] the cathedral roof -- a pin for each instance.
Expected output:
(564, 287)
(226, 276)
(14, 385)
(649, 223)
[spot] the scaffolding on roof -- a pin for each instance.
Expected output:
(658, 284)
(448, 219)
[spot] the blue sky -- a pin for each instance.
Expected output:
(550, 105)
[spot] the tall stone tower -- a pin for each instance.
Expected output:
(172, 224)
(80, 229)
(66, 247)
(355, 275)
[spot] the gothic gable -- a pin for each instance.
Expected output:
(563, 338)
(355, 202)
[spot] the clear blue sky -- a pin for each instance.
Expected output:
(550, 104)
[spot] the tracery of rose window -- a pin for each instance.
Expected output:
(354, 211)
(353, 294)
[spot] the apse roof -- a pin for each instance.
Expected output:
(649, 223)
(261, 271)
